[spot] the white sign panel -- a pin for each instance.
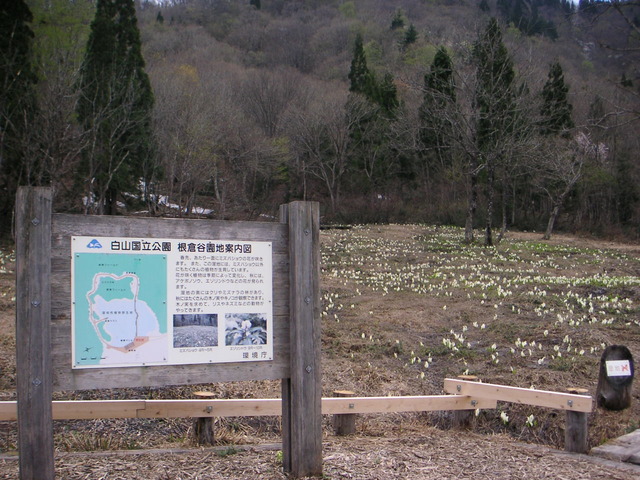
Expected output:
(150, 301)
(618, 368)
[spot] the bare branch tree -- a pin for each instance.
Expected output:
(563, 167)
(321, 139)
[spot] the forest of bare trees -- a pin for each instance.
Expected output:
(414, 111)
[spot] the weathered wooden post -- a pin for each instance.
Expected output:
(203, 431)
(463, 418)
(615, 379)
(344, 423)
(302, 392)
(33, 333)
(576, 432)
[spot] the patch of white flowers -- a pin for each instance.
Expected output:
(504, 417)
(537, 280)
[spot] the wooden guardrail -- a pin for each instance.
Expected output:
(526, 396)
(94, 409)
(463, 395)
(576, 437)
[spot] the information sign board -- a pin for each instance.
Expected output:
(151, 301)
(618, 368)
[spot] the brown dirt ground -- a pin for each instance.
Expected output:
(420, 455)
(376, 343)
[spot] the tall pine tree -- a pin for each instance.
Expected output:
(495, 97)
(436, 126)
(387, 95)
(410, 36)
(115, 107)
(398, 19)
(563, 166)
(369, 150)
(17, 103)
(556, 109)
(361, 78)
(363, 81)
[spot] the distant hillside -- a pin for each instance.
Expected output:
(315, 37)
(407, 111)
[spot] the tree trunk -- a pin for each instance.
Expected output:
(111, 202)
(332, 200)
(472, 203)
(503, 228)
(513, 203)
(556, 209)
(552, 221)
(488, 236)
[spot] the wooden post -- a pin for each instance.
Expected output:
(33, 333)
(286, 387)
(576, 436)
(301, 394)
(345, 423)
(203, 431)
(463, 418)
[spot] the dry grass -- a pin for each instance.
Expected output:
(403, 308)
(424, 454)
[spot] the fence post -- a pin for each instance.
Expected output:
(344, 423)
(33, 333)
(576, 433)
(203, 427)
(463, 418)
(302, 393)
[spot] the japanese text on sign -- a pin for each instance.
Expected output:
(618, 368)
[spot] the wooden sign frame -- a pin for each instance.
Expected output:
(43, 322)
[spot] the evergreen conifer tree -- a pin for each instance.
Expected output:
(17, 102)
(495, 97)
(410, 36)
(495, 87)
(369, 134)
(435, 111)
(361, 78)
(387, 94)
(440, 77)
(115, 106)
(398, 20)
(556, 109)
(364, 82)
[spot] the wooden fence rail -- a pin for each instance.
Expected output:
(463, 395)
(526, 396)
(577, 407)
(95, 409)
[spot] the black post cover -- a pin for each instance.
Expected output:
(615, 379)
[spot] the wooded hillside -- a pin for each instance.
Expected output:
(408, 111)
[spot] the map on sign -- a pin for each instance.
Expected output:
(164, 301)
(121, 297)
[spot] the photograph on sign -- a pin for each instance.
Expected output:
(139, 302)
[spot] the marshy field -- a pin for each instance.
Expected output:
(403, 308)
